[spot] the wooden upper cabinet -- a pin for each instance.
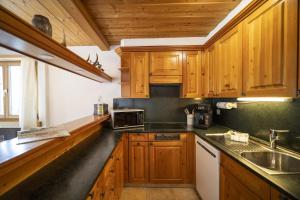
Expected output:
(139, 72)
(125, 74)
(166, 63)
(168, 161)
(191, 74)
(211, 72)
(270, 50)
(229, 49)
(138, 162)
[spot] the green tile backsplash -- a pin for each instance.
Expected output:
(257, 118)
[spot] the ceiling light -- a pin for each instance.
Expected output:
(265, 99)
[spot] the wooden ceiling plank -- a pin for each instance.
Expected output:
(83, 18)
(97, 2)
(127, 8)
(166, 15)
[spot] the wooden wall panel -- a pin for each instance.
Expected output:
(58, 16)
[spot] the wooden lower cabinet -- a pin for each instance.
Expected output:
(232, 189)
(110, 182)
(167, 162)
(238, 183)
(138, 162)
(161, 162)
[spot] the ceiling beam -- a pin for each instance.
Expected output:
(77, 10)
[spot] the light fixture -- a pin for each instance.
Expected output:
(46, 56)
(265, 99)
(198, 98)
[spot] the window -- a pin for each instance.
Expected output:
(10, 89)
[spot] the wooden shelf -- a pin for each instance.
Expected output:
(19, 36)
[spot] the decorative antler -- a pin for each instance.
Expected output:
(88, 59)
(96, 61)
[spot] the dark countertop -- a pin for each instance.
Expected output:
(289, 184)
(73, 175)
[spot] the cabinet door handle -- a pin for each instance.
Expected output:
(206, 149)
(227, 85)
(91, 195)
(138, 144)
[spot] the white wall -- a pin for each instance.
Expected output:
(71, 96)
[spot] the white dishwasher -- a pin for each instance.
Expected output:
(207, 170)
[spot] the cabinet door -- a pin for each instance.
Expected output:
(191, 74)
(125, 74)
(138, 162)
(270, 49)
(229, 49)
(139, 75)
(232, 189)
(211, 71)
(119, 177)
(167, 162)
(166, 63)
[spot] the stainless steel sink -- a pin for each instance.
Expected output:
(274, 162)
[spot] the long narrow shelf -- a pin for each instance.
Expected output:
(19, 36)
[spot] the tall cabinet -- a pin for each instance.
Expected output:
(229, 49)
(270, 50)
(139, 74)
(191, 74)
(211, 72)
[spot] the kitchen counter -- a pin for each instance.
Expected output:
(288, 184)
(73, 175)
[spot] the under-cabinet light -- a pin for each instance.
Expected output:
(198, 98)
(265, 99)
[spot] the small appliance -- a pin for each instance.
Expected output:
(202, 116)
(127, 118)
(101, 109)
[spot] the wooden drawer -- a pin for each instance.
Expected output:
(252, 182)
(180, 139)
(165, 79)
(136, 137)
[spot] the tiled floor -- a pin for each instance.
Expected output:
(136, 193)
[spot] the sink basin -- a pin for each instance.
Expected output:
(274, 162)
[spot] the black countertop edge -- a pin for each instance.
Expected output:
(72, 175)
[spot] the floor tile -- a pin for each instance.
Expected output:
(141, 193)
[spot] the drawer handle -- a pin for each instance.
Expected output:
(211, 153)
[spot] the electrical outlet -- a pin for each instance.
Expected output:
(218, 112)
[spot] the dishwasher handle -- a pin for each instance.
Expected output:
(206, 149)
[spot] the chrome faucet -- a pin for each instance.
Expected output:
(274, 137)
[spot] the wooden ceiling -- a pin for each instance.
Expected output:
(107, 22)
(121, 19)
(58, 16)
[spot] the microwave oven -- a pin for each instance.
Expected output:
(127, 118)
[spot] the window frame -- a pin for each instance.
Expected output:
(6, 86)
